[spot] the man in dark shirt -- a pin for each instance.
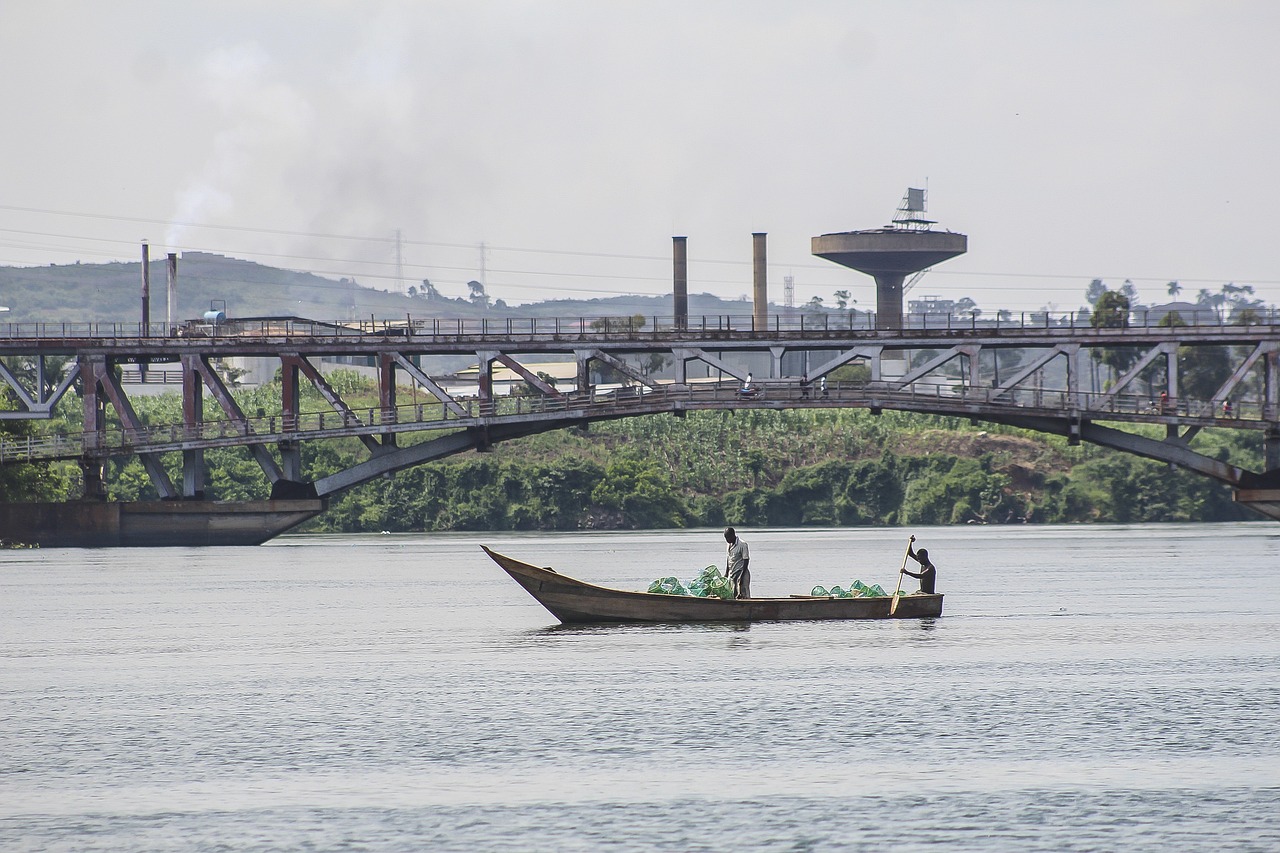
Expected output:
(928, 574)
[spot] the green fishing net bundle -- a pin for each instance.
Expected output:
(857, 589)
(708, 584)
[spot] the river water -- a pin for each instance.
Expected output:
(1088, 688)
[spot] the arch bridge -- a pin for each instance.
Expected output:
(1046, 373)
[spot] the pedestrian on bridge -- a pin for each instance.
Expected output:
(737, 564)
(822, 386)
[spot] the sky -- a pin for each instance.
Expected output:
(551, 149)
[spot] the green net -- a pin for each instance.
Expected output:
(709, 583)
(857, 589)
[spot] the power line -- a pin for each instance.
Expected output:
(396, 240)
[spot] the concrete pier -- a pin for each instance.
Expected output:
(103, 524)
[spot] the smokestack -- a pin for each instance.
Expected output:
(146, 289)
(760, 296)
(173, 287)
(680, 276)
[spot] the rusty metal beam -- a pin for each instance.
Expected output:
(232, 410)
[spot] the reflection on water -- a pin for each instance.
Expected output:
(400, 692)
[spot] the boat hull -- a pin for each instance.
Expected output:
(573, 602)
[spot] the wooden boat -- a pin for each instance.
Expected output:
(573, 601)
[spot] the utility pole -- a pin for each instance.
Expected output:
(482, 262)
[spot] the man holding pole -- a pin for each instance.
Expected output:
(928, 574)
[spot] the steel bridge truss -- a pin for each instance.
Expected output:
(1064, 381)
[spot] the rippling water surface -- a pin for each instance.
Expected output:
(1089, 688)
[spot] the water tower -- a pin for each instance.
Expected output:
(905, 247)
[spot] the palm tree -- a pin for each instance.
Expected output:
(1174, 289)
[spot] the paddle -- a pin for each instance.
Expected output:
(893, 605)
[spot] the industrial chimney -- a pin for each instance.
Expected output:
(760, 289)
(680, 277)
(173, 288)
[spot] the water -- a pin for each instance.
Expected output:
(1089, 688)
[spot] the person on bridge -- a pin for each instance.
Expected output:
(928, 573)
(737, 563)
(822, 386)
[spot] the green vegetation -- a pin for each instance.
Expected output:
(757, 468)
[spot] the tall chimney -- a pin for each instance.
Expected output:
(146, 289)
(173, 288)
(760, 295)
(680, 276)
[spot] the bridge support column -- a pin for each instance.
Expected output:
(583, 358)
(192, 422)
(91, 476)
(387, 393)
(1271, 449)
(91, 368)
(1271, 386)
(93, 486)
(290, 404)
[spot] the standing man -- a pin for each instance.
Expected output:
(736, 564)
(928, 574)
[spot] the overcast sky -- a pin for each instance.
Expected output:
(1070, 140)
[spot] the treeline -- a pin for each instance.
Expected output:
(757, 468)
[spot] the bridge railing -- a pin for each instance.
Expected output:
(951, 396)
(637, 327)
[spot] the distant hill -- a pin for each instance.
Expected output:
(112, 292)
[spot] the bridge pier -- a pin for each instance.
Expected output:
(106, 524)
(192, 421)
(94, 485)
(387, 392)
